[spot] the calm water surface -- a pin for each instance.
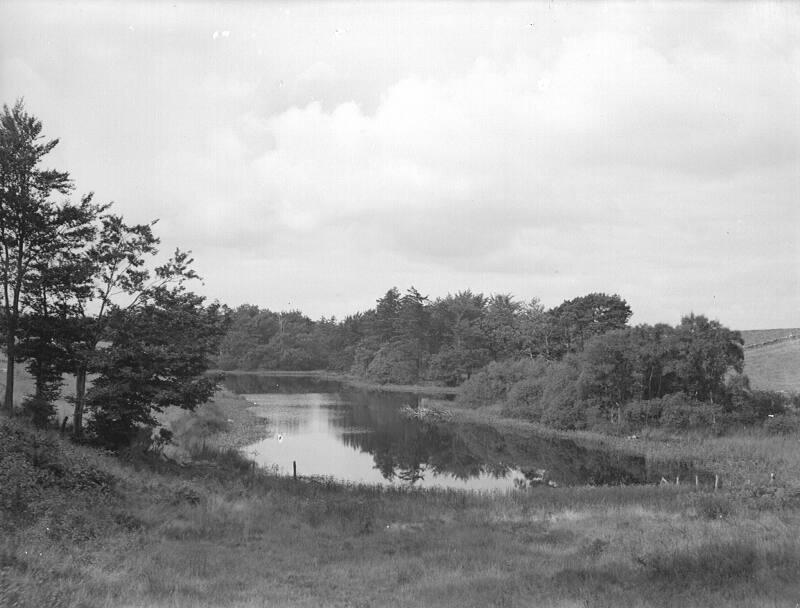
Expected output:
(357, 435)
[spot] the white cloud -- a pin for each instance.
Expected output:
(548, 149)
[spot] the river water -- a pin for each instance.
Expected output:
(365, 436)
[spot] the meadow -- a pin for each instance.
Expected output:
(82, 528)
(96, 530)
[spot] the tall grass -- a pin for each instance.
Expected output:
(221, 533)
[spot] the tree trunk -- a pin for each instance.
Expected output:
(8, 402)
(80, 398)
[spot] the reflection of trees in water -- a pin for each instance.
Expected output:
(403, 448)
(260, 384)
(406, 449)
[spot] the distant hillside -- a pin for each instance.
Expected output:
(754, 337)
(772, 358)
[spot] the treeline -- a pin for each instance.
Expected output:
(408, 337)
(82, 294)
(577, 365)
(683, 377)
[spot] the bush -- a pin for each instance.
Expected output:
(682, 413)
(713, 506)
(193, 427)
(393, 364)
(712, 565)
(561, 405)
(783, 424)
(524, 399)
(34, 463)
(492, 384)
(639, 414)
(40, 411)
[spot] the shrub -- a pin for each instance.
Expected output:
(783, 424)
(193, 427)
(524, 399)
(40, 411)
(491, 385)
(713, 506)
(711, 565)
(33, 463)
(682, 413)
(639, 414)
(561, 405)
(393, 364)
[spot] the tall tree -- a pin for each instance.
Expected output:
(159, 351)
(501, 326)
(579, 319)
(707, 351)
(29, 219)
(119, 278)
(54, 287)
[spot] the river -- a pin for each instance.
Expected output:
(356, 435)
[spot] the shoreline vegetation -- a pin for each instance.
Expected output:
(83, 528)
(743, 459)
(140, 531)
(350, 380)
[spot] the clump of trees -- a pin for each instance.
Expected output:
(683, 377)
(577, 365)
(82, 295)
(407, 337)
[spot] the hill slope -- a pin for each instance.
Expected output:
(774, 366)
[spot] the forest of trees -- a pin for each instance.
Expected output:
(577, 365)
(407, 337)
(81, 293)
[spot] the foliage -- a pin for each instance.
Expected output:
(393, 363)
(446, 340)
(33, 463)
(158, 355)
(679, 412)
(491, 385)
(576, 321)
(783, 424)
(33, 229)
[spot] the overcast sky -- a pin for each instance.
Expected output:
(314, 155)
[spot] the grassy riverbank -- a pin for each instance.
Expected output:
(429, 389)
(142, 532)
(80, 528)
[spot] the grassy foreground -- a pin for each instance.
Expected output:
(80, 528)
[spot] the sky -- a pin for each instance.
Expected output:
(313, 155)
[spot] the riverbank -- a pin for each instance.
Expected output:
(432, 390)
(143, 532)
(747, 460)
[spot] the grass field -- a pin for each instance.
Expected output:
(142, 532)
(774, 366)
(82, 529)
(758, 336)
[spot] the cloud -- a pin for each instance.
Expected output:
(547, 149)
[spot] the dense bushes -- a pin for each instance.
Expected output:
(491, 384)
(783, 424)
(554, 393)
(34, 463)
